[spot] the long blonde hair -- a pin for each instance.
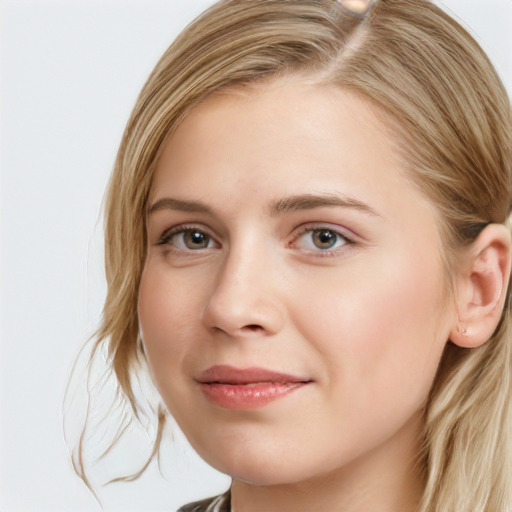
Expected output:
(452, 120)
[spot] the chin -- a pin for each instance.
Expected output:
(259, 469)
(262, 476)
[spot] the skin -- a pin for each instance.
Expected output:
(365, 321)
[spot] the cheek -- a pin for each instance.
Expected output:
(167, 316)
(381, 326)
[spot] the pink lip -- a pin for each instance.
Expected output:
(247, 388)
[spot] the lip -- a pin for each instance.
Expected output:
(247, 388)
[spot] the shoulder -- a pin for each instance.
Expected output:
(217, 504)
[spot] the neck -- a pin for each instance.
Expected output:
(387, 480)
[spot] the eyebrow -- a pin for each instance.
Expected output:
(311, 201)
(168, 203)
(280, 207)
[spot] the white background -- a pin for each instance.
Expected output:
(70, 72)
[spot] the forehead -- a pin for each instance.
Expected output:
(256, 144)
(290, 122)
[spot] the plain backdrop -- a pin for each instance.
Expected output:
(70, 72)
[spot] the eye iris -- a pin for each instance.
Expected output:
(324, 239)
(196, 240)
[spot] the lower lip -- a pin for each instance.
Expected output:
(248, 396)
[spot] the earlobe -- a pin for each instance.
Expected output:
(482, 287)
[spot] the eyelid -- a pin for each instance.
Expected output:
(168, 233)
(349, 237)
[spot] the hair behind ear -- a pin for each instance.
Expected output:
(468, 428)
(469, 425)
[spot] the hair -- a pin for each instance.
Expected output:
(452, 120)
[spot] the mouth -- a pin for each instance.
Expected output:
(247, 388)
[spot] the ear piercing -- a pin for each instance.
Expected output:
(463, 330)
(357, 8)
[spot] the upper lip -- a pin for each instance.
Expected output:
(224, 374)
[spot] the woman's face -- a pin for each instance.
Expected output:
(293, 305)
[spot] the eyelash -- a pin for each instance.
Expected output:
(167, 235)
(348, 241)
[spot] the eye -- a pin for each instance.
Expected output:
(187, 239)
(322, 239)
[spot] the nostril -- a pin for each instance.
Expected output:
(253, 327)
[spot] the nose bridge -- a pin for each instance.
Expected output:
(245, 296)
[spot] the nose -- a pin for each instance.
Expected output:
(245, 298)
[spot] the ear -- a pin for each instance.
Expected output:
(481, 286)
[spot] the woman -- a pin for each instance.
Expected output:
(307, 241)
